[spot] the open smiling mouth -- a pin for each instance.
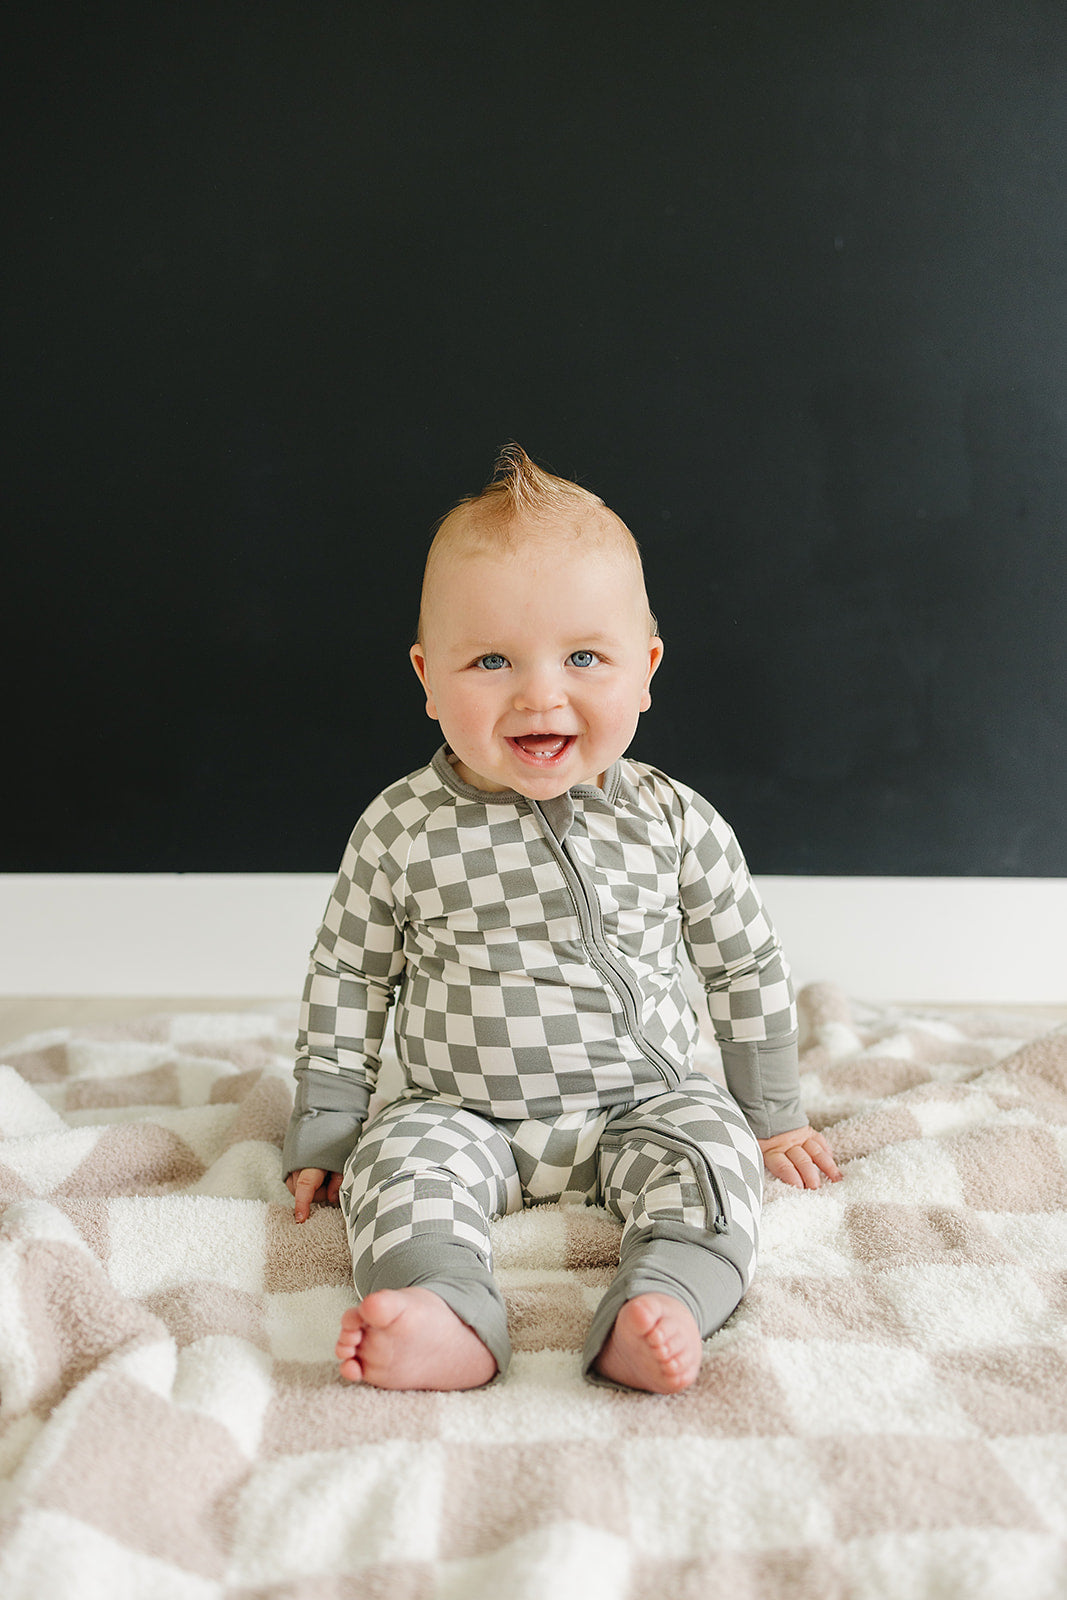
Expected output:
(544, 748)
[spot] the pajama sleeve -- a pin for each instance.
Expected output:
(355, 965)
(736, 953)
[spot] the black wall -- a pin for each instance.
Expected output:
(786, 284)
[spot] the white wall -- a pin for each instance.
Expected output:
(969, 940)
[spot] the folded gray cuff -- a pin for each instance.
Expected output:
(328, 1114)
(456, 1273)
(322, 1139)
(706, 1283)
(764, 1078)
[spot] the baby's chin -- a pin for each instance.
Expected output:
(532, 786)
(549, 786)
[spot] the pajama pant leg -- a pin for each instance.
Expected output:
(417, 1196)
(684, 1173)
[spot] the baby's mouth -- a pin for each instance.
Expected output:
(542, 746)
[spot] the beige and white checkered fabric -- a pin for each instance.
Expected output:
(883, 1418)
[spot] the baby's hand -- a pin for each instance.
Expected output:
(798, 1157)
(312, 1183)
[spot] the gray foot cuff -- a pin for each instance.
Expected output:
(690, 1269)
(458, 1275)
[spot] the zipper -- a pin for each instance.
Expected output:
(591, 922)
(711, 1191)
(676, 1144)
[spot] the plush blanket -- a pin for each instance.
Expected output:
(884, 1415)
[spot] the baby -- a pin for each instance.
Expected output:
(528, 900)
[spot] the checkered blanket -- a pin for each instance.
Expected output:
(884, 1415)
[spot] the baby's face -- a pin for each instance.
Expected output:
(536, 664)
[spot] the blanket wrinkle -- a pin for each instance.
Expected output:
(885, 1414)
(56, 1295)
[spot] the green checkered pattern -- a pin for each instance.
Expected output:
(535, 952)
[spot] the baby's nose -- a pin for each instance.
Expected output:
(540, 689)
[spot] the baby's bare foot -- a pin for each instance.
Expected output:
(655, 1344)
(409, 1339)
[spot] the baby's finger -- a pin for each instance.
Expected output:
(805, 1166)
(821, 1154)
(333, 1189)
(304, 1192)
(780, 1166)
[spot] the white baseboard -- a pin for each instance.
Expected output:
(162, 934)
(995, 941)
(985, 941)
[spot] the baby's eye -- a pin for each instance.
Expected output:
(582, 658)
(492, 662)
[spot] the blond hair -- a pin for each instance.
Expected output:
(519, 487)
(522, 500)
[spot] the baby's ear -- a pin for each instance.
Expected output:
(418, 661)
(655, 656)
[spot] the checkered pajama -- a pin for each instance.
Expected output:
(534, 951)
(682, 1165)
(689, 1158)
